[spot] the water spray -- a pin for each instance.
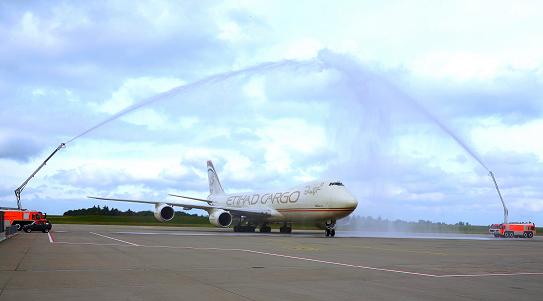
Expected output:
(260, 68)
(264, 67)
(325, 60)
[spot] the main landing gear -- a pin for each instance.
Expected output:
(330, 229)
(244, 228)
(285, 229)
(265, 229)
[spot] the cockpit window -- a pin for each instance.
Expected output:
(336, 184)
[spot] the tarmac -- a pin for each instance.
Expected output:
(90, 262)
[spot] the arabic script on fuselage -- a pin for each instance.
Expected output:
(312, 190)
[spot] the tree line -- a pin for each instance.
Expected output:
(106, 211)
(369, 223)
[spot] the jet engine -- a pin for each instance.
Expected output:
(164, 212)
(220, 218)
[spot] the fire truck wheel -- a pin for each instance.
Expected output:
(19, 227)
(28, 230)
(525, 234)
(508, 235)
(530, 234)
(45, 230)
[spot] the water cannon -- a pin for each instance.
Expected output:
(20, 188)
(505, 210)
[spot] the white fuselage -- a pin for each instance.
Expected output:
(312, 202)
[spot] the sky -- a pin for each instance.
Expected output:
(369, 93)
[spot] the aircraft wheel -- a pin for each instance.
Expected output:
(285, 229)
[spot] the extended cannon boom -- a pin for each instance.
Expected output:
(505, 210)
(20, 188)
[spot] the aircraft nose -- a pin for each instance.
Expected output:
(348, 200)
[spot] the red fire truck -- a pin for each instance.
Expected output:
(19, 218)
(510, 230)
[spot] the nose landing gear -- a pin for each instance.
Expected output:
(330, 229)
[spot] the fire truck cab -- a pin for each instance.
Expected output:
(19, 218)
(510, 230)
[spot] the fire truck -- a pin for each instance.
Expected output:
(21, 217)
(510, 230)
(507, 229)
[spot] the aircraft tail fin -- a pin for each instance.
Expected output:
(215, 186)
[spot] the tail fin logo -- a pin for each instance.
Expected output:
(215, 186)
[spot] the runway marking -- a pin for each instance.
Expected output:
(491, 274)
(130, 244)
(126, 242)
(50, 239)
(212, 234)
(400, 250)
(91, 243)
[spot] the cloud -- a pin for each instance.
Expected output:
(343, 113)
(19, 148)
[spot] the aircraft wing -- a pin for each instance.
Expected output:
(234, 210)
(238, 211)
(172, 203)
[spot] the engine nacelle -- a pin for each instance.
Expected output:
(164, 212)
(220, 218)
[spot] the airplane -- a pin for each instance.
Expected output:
(320, 203)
